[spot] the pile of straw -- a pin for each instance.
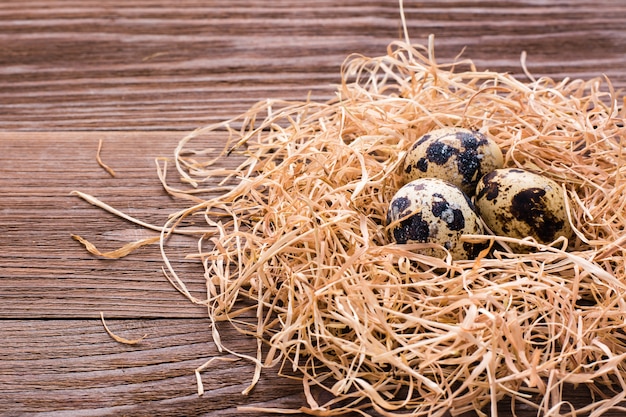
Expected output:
(297, 236)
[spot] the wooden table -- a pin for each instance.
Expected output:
(138, 76)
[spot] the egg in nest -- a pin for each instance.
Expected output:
(518, 203)
(430, 210)
(457, 155)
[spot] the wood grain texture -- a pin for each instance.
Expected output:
(138, 75)
(97, 65)
(45, 273)
(72, 367)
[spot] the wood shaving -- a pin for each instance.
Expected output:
(101, 163)
(120, 339)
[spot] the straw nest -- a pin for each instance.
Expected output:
(297, 236)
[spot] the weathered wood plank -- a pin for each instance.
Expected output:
(126, 65)
(72, 367)
(45, 273)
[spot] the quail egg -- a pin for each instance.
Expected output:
(518, 203)
(457, 155)
(434, 211)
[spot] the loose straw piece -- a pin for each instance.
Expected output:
(96, 202)
(119, 338)
(117, 253)
(205, 366)
(101, 163)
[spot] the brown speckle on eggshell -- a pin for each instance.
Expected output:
(433, 211)
(518, 203)
(457, 155)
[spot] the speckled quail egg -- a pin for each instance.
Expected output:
(457, 155)
(434, 211)
(518, 203)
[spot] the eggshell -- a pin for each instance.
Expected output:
(519, 203)
(434, 211)
(459, 156)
